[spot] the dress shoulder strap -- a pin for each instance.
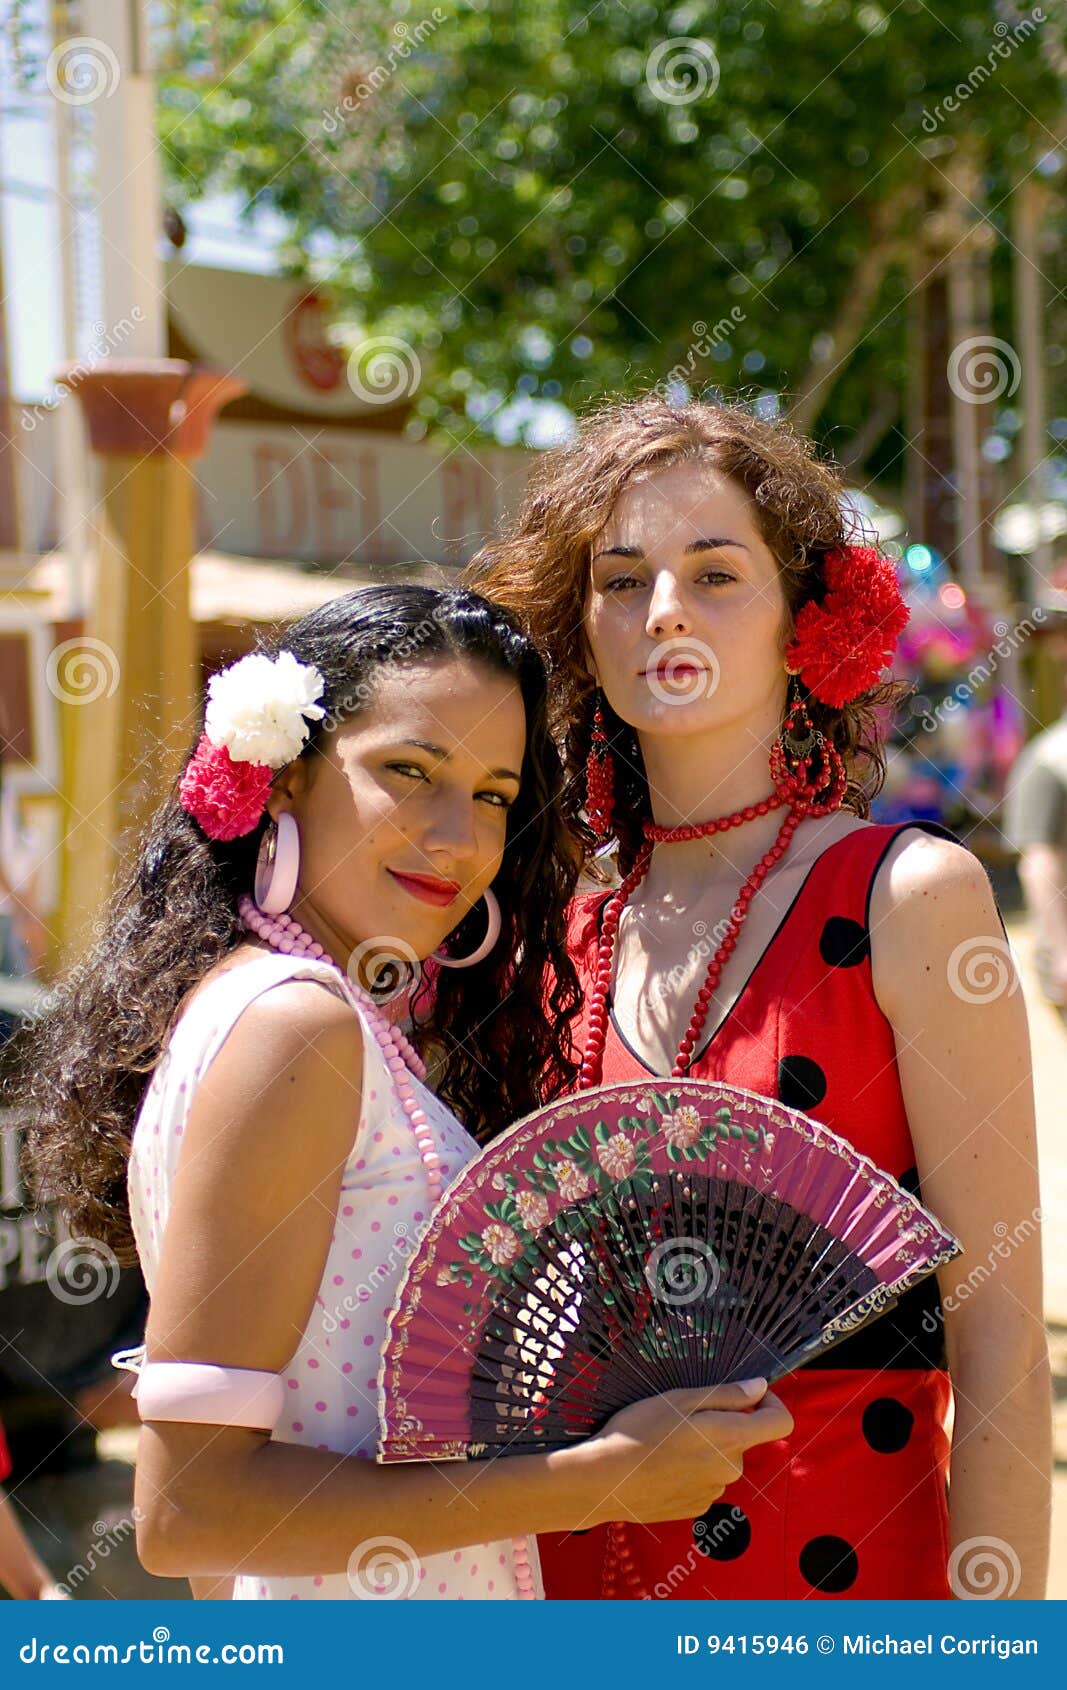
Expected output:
(209, 1018)
(843, 875)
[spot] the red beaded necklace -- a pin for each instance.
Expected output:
(792, 787)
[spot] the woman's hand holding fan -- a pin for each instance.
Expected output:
(632, 1241)
(671, 1456)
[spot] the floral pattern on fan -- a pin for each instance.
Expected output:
(633, 1239)
(574, 1167)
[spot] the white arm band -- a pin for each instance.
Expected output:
(204, 1395)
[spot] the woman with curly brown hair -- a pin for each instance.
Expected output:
(717, 643)
(378, 788)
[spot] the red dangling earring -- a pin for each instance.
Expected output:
(792, 761)
(599, 778)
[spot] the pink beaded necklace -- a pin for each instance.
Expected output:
(284, 933)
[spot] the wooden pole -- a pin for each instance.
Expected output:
(132, 702)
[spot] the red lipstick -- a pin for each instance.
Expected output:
(428, 888)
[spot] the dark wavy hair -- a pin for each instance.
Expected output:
(497, 1034)
(539, 569)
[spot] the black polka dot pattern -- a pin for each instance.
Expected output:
(723, 1533)
(801, 1082)
(829, 1564)
(843, 942)
(887, 1425)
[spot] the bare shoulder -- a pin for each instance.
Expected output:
(293, 1058)
(306, 1023)
(932, 906)
(919, 867)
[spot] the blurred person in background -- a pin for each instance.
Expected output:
(1035, 821)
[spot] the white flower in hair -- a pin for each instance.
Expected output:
(258, 708)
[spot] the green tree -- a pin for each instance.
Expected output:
(551, 197)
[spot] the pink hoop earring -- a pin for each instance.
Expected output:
(492, 934)
(278, 865)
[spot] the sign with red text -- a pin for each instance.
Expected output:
(326, 495)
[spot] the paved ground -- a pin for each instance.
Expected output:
(1048, 1038)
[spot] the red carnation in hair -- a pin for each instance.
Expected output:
(843, 643)
(224, 796)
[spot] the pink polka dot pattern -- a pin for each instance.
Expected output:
(331, 1407)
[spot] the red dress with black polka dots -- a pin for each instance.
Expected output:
(854, 1503)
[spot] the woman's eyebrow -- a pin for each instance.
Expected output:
(710, 544)
(442, 756)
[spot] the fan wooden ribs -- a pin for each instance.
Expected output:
(627, 1241)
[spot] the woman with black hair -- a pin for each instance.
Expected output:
(383, 780)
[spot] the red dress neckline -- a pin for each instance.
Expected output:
(750, 980)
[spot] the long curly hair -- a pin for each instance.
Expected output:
(539, 569)
(497, 1034)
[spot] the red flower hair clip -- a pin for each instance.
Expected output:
(842, 644)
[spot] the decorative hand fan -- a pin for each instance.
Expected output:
(627, 1241)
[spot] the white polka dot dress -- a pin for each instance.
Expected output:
(332, 1380)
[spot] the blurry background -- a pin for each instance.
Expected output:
(291, 296)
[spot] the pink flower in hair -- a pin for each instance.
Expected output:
(225, 797)
(257, 720)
